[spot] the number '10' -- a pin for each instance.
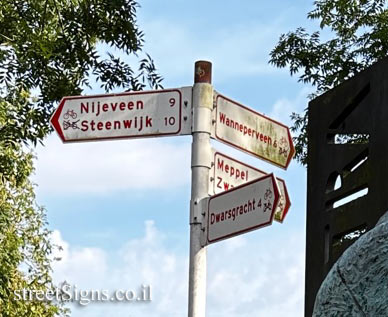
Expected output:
(170, 120)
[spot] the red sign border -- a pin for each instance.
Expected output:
(288, 201)
(276, 200)
(292, 148)
(55, 117)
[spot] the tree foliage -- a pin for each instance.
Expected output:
(353, 35)
(50, 49)
(24, 238)
(50, 46)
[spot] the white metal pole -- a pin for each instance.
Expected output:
(200, 165)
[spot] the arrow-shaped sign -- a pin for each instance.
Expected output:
(124, 115)
(241, 209)
(227, 173)
(253, 132)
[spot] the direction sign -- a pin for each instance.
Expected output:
(253, 132)
(227, 173)
(242, 209)
(124, 115)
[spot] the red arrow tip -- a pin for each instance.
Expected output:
(55, 120)
(292, 149)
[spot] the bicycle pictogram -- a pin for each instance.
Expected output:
(280, 206)
(283, 143)
(283, 151)
(268, 206)
(70, 113)
(268, 194)
(69, 124)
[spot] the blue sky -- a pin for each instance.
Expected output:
(120, 209)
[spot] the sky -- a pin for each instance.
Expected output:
(120, 209)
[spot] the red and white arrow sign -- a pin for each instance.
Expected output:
(125, 115)
(242, 209)
(253, 132)
(228, 173)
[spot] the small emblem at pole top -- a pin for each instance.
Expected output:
(200, 72)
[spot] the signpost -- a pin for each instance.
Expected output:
(252, 132)
(227, 173)
(244, 208)
(245, 198)
(125, 115)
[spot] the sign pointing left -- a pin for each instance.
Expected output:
(125, 115)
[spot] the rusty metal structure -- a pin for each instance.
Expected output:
(347, 182)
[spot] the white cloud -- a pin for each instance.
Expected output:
(143, 261)
(284, 107)
(75, 262)
(259, 279)
(246, 276)
(104, 167)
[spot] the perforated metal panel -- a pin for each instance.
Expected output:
(337, 170)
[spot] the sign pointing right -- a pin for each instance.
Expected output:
(244, 208)
(227, 173)
(253, 133)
